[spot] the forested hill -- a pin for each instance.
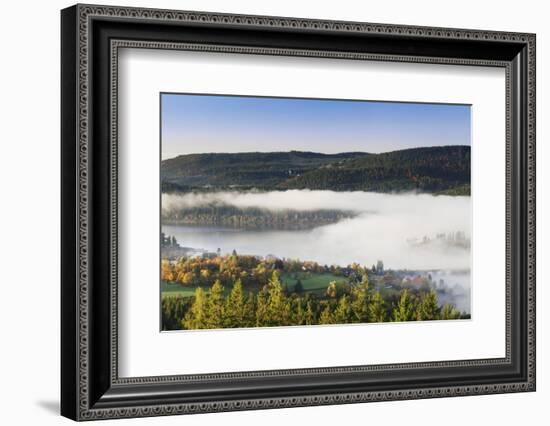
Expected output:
(443, 169)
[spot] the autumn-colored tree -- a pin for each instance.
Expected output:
(186, 278)
(196, 316)
(332, 290)
(167, 271)
(205, 274)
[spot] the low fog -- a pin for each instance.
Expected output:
(383, 229)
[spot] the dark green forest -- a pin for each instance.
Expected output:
(218, 214)
(444, 170)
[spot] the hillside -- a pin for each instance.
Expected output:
(434, 169)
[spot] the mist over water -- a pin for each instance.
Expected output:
(387, 227)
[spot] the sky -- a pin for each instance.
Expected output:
(193, 123)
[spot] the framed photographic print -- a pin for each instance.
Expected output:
(263, 212)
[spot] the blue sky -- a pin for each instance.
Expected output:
(212, 123)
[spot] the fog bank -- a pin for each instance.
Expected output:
(383, 229)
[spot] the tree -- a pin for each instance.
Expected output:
(298, 287)
(234, 306)
(298, 315)
(365, 280)
(186, 278)
(196, 316)
(205, 275)
(326, 316)
(215, 306)
(166, 271)
(249, 314)
(403, 311)
(342, 312)
(428, 308)
(309, 314)
(332, 290)
(276, 301)
(449, 312)
(360, 303)
(377, 308)
(262, 308)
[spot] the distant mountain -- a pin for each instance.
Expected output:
(444, 169)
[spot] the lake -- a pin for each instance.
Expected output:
(405, 231)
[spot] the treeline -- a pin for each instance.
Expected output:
(274, 306)
(436, 169)
(243, 169)
(218, 214)
(443, 169)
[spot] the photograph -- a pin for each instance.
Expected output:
(310, 212)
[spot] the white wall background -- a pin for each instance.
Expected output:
(29, 179)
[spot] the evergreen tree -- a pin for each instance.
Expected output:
(287, 312)
(377, 308)
(309, 314)
(196, 316)
(276, 301)
(326, 316)
(403, 311)
(298, 287)
(449, 312)
(365, 279)
(249, 314)
(428, 308)
(215, 306)
(262, 308)
(298, 313)
(234, 306)
(343, 311)
(360, 303)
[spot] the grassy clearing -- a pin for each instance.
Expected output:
(311, 282)
(175, 289)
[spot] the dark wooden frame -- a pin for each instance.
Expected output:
(90, 386)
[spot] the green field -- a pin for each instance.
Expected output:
(311, 281)
(175, 289)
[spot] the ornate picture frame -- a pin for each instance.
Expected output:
(91, 37)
